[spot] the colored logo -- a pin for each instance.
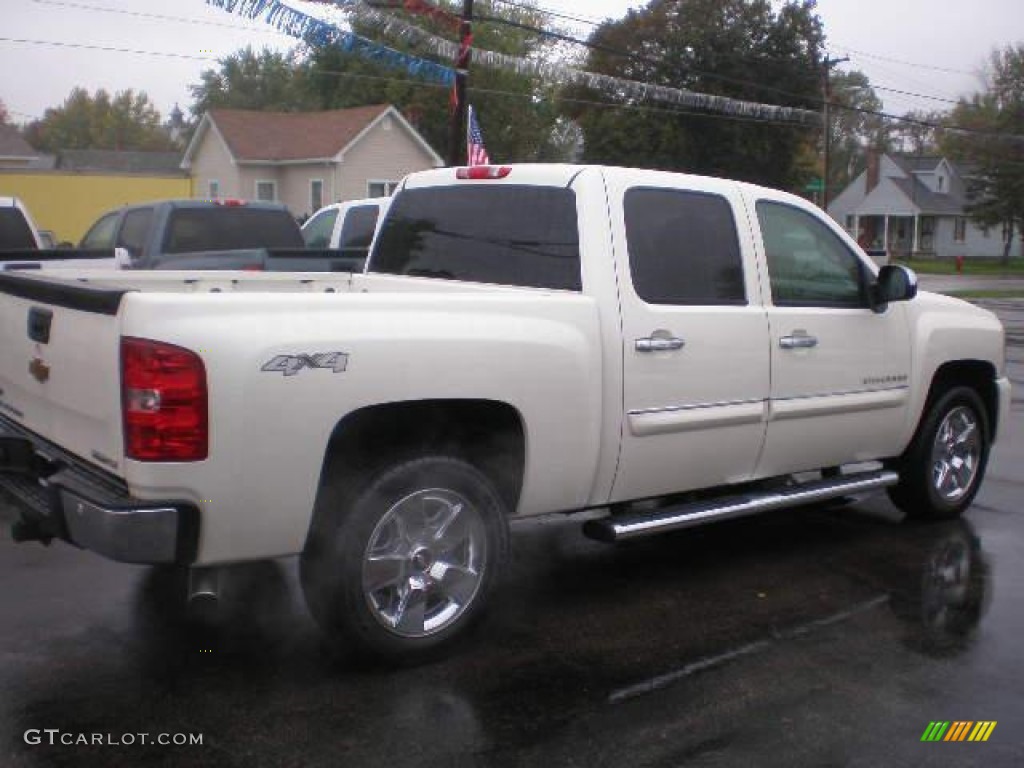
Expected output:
(959, 730)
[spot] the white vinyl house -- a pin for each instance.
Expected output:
(914, 205)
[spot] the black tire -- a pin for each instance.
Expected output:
(921, 492)
(403, 565)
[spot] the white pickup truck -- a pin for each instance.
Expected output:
(22, 246)
(669, 349)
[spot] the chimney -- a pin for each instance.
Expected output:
(873, 164)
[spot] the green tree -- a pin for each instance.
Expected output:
(854, 128)
(127, 121)
(517, 114)
(736, 48)
(916, 134)
(995, 151)
(247, 79)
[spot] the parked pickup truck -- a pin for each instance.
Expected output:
(347, 227)
(664, 350)
(22, 246)
(213, 234)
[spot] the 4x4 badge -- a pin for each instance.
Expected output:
(290, 365)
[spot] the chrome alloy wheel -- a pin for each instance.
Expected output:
(424, 562)
(956, 454)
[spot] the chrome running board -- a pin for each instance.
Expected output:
(634, 525)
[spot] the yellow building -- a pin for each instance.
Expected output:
(68, 202)
(87, 183)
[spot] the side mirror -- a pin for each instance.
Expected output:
(894, 283)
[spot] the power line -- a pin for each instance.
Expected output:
(157, 16)
(108, 49)
(915, 95)
(592, 21)
(555, 35)
(948, 70)
(192, 57)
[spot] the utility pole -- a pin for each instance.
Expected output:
(827, 92)
(457, 132)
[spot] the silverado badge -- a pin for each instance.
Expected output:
(39, 370)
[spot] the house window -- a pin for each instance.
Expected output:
(849, 223)
(942, 181)
(316, 195)
(214, 189)
(959, 229)
(381, 188)
(266, 191)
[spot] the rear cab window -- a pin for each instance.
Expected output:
(523, 235)
(225, 228)
(15, 233)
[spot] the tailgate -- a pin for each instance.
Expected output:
(60, 364)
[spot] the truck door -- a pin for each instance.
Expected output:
(695, 336)
(840, 371)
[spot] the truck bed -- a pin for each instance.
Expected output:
(406, 339)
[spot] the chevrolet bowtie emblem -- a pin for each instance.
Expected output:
(39, 370)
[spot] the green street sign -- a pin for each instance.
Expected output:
(816, 186)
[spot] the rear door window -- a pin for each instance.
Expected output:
(504, 234)
(683, 247)
(317, 231)
(360, 224)
(135, 230)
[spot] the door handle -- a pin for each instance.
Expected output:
(659, 344)
(798, 340)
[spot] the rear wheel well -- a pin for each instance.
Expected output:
(979, 375)
(486, 433)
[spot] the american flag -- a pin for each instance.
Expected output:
(475, 142)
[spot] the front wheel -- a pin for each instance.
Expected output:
(406, 566)
(942, 469)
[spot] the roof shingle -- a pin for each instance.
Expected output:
(120, 161)
(281, 136)
(13, 145)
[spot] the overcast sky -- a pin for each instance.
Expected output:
(932, 48)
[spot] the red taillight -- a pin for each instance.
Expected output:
(163, 398)
(479, 172)
(230, 202)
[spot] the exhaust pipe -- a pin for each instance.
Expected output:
(203, 584)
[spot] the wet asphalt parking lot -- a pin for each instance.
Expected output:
(801, 638)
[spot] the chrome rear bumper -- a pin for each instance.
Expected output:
(66, 499)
